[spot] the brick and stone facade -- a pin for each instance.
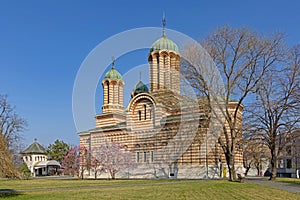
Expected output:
(166, 132)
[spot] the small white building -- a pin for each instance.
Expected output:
(35, 157)
(289, 159)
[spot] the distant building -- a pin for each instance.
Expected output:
(158, 122)
(35, 157)
(289, 158)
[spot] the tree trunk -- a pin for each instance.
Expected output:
(113, 177)
(81, 174)
(231, 168)
(247, 169)
(273, 166)
(257, 169)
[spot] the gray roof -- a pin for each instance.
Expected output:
(47, 163)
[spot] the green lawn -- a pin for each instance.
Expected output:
(289, 180)
(139, 189)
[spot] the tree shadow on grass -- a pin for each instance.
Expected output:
(6, 193)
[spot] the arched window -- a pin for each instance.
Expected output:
(145, 112)
(158, 70)
(140, 115)
(165, 69)
(171, 78)
(113, 94)
(118, 100)
(107, 92)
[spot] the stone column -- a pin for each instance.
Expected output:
(153, 72)
(167, 68)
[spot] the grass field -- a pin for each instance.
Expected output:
(289, 180)
(138, 189)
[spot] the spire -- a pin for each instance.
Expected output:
(140, 75)
(164, 24)
(113, 62)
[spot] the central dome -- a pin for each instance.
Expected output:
(140, 87)
(164, 43)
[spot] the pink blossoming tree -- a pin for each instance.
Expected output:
(113, 158)
(96, 164)
(73, 162)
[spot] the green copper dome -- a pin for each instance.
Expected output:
(113, 74)
(35, 148)
(164, 43)
(140, 87)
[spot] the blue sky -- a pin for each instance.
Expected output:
(43, 43)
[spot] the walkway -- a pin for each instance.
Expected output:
(290, 187)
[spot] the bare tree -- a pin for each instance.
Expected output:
(7, 168)
(242, 57)
(275, 115)
(11, 124)
(10, 127)
(255, 154)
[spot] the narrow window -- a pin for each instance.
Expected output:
(152, 156)
(288, 163)
(145, 156)
(171, 80)
(107, 92)
(158, 72)
(165, 69)
(118, 97)
(165, 80)
(145, 112)
(170, 73)
(137, 156)
(113, 94)
(140, 115)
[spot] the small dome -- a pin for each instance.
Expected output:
(113, 74)
(140, 87)
(164, 43)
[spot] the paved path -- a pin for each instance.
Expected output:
(295, 188)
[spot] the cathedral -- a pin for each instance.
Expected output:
(165, 131)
